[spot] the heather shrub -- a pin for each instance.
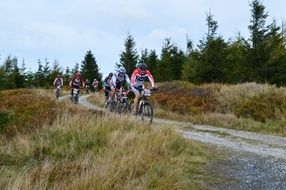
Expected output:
(229, 97)
(254, 101)
(270, 105)
(23, 110)
(186, 98)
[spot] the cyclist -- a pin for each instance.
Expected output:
(119, 81)
(95, 85)
(87, 83)
(76, 82)
(138, 77)
(58, 82)
(106, 85)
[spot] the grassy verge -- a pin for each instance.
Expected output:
(86, 151)
(97, 99)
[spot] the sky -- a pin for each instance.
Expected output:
(64, 30)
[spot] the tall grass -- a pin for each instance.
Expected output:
(86, 151)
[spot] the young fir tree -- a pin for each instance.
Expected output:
(55, 71)
(212, 54)
(89, 68)
(129, 57)
(162, 70)
(67, 75)
(39, 75)
(257, 28)
(152, 62)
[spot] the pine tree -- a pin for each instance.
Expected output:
(56, 70)
(162, 71)
(129, 57)
(256, 54)
(75, 68)
(67, 75)
(152, 62)
(39, 75)
(89, 68)
(19, 79)
(212, 56)
(7, 78)
(144, 56)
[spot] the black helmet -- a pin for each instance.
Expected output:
(142, 66)
(110, 74)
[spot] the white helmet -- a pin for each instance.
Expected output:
(120, 70)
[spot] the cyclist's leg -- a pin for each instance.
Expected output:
(137, 92)
(106, 92)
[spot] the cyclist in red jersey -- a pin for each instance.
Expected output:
(138, 77)
(76, 82)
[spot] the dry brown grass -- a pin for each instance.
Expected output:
(87, 151)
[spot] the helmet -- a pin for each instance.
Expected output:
(142, 66)
(121, 70)
(110, 74)
(77, 74)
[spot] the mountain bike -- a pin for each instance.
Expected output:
(110, 103)
(75, 95)
(58, 91)
(86, 89)
(145, 107)
(119, 104)
(122, 106)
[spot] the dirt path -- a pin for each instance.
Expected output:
(256, 161)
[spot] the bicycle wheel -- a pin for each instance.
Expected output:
(147, 112)
(58, 93)
(124, 108)
(111, 106)
(131, 106)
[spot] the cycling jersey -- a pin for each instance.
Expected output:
(118, 80)
(95, 83)
(58, 82)
(76, 83)
(106, 81)
(138, 80)
(79, 81)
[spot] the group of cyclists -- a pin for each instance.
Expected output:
(119, 81)
(76, 82)
(116, 82)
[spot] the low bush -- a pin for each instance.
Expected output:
(185, 98)
(264, 106)
(23, 110)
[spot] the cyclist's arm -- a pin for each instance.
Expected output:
(151, 79)
(133, 77)
(113, 82)
(62, 82)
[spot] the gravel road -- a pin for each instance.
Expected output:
(256, 161)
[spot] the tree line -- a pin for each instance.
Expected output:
(14, 76)
(259, 58)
